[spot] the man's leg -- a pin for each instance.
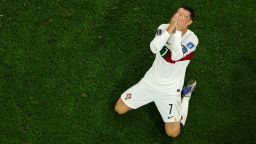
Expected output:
(169, 108)
(186, 95)
(121, 107)
(172, 129)
(135, 97)
(177, 110)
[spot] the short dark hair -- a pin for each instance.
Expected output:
(192, 13)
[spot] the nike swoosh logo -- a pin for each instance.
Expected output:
(170, 117)
(168, 43)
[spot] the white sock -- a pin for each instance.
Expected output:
(184, 109)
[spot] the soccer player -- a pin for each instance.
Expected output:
(173, 45)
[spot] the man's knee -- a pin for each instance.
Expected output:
(121, 108)
(172, 129)
(172, 134)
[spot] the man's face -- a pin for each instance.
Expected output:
(186, 13)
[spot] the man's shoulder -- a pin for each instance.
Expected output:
(192, 36)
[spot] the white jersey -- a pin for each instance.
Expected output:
(173, 54)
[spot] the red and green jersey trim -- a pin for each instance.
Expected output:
(166, 54)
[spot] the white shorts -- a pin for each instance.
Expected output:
(142, 94)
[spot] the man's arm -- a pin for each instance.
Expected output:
(159, 41)
(163, 35)
(175, 47)
(179, 50)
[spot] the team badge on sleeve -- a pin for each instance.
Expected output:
(159, 32)
(190, 45)
(184, 49)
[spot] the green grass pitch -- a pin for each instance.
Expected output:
(64, 63)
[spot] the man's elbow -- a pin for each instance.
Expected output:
(175, 57)
(153, 48)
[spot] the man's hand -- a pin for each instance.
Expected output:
(181, 22)
(173, 23)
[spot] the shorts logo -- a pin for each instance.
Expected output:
(128, 96)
